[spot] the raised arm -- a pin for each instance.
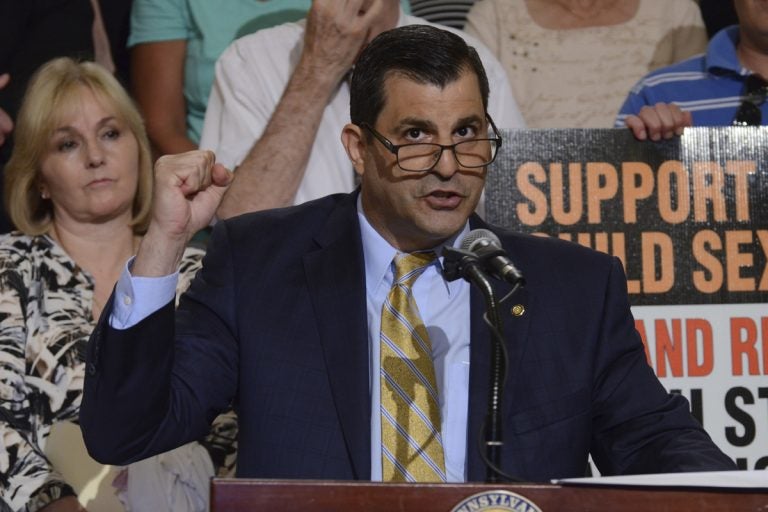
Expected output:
(271, 172)
(157, 83)
(188, 189)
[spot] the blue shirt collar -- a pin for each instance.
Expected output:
(721, 52)
(379, 253)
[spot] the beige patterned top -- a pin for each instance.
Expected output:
(579, 78)
(45, 322)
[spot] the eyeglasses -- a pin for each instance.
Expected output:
(755, 92)
(422, 157)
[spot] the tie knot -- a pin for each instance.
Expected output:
(410, 266)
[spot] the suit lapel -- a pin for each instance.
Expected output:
(336, 281)
(515, 332)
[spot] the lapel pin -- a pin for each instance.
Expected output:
(518, 310)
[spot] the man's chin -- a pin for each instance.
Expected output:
(443, 224)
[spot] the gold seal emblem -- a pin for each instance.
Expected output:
(496, 501)
(518, 310)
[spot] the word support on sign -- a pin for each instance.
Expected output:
(676, 193)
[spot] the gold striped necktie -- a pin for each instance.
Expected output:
(411, 443)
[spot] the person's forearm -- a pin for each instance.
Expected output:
(169, 141)
(158, 255)
(166, 124)
(271, 172)
(157, 73)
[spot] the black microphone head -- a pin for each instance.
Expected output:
(481, 237)
(486, 246)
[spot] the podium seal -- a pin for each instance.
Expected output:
(496, 501)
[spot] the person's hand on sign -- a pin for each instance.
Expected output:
(662, 120)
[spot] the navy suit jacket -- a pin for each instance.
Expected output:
(275, 323)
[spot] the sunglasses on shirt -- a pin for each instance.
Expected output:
(754, 94)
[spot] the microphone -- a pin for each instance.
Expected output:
(486, 246)
(480, 256)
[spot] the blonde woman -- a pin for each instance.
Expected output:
(78, 186)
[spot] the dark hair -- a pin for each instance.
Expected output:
(422, 53)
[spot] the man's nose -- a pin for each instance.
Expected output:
(446, 165)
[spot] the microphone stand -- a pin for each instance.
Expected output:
(461, 263)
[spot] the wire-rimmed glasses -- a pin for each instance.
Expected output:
(423, 156)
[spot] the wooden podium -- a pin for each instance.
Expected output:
(241, 495)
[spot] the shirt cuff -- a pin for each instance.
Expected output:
(138, 297)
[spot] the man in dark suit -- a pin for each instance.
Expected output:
(286, 319)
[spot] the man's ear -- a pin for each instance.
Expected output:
(354, 142)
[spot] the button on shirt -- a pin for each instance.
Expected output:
(138, 297)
